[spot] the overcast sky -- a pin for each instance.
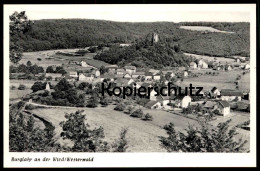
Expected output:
(138, 13)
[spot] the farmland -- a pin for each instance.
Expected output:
(225, 80)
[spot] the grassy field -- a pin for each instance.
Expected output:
(244, 82)
(203, 28)
(15, 94)
(142, 135)
(225, 80)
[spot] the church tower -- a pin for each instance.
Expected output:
(48, 87)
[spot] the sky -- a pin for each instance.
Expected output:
(138, 13)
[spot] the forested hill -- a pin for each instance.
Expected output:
(77, 33)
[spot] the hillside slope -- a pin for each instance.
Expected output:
(77, 33)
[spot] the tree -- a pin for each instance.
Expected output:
(138, 113)
(21, 87)
(63, 85)
(25, 137)
(120, 107)
(18, 25)
(103, 69)
(93, 101)
(38, 86)
(49, 69)
(84, 139)
(220, 139)
(120, 145)
(148, 117)
(29, 63)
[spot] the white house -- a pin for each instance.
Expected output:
(157, 76)
(112, 68)
(130, 69)
(74, 74)
(148, 76)
(185, 102)
(127, 76)
(246, 66)
(96, 73)
(153, 105)
(215, 92)
(54, 76)
(120, 72)
(230, 95)
(224, 108)
(185, 74)
(85, 77)
(193, 65)
(47, 87)
(202, 64)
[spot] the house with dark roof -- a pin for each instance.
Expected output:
(148, 76)
(223, 107)
(230, 95)
(153, 105)
(214, 92)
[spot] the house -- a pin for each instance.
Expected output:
(166, 72)
(185, 74)
(138, 84)
(127, 76)
(223, 107)
(185, 102)
(164, 100)
(230, 95)
(47, 87)
(69, 78)
(214, 92)
(120, 72)
(193, 65)
(210, 105)
(109, 76)
(122, 82)
(153, 105)
(130, 69)
(138, 74)
(73, 74)
(237, 60)
(181, 68)
(96, 73)
(246, 66)
(228, 67)
(53, 76)
(112, 68)
(148, 76)
(154, 71)
(202, 64)
(86, 77)
(157, 76)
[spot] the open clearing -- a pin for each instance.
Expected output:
(222, 60)
(142, 135)
(203, 28)
(225, 80)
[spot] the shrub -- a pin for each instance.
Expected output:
(120, 107)
(21, 87)
(39, 59)
(129, 110)
(138, 113)
(13, 87)
(148, 117)
(29, 107)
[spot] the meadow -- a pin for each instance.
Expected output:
(203, 28)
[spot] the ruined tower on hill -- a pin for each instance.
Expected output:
(155, 38)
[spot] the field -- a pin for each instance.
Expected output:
(50, 57)
(203, 28)
(244, 82)
(15, 94)
(142, 136)
(225, 80)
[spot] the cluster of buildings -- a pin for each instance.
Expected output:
(216, 65)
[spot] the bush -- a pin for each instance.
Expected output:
(13, 87)
(129, 110)
(39, 59)
(120, 107)
(21, 87)
(29, 107)
(138, 113)
(148, 117)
